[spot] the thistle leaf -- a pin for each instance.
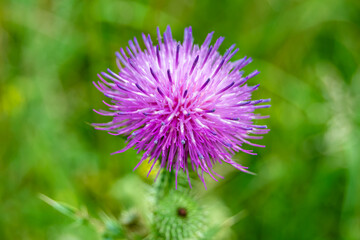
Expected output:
(61, 207)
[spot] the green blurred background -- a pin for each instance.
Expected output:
(307, 184)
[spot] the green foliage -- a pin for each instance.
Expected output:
(62, 207)
(175, 214)
(308, 54)
(108, 227)
(113, 229)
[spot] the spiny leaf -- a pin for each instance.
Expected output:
(61, 207)
(113, 228)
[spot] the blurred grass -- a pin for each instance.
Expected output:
(308, 53)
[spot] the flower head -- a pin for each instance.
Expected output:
(183, 105)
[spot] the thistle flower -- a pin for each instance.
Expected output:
(182, 105)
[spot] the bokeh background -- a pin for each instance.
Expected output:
(307, 184)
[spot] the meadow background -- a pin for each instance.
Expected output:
(307, 184)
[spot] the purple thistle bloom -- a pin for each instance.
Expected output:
(182, 104)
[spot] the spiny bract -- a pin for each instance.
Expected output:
(183, 105)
